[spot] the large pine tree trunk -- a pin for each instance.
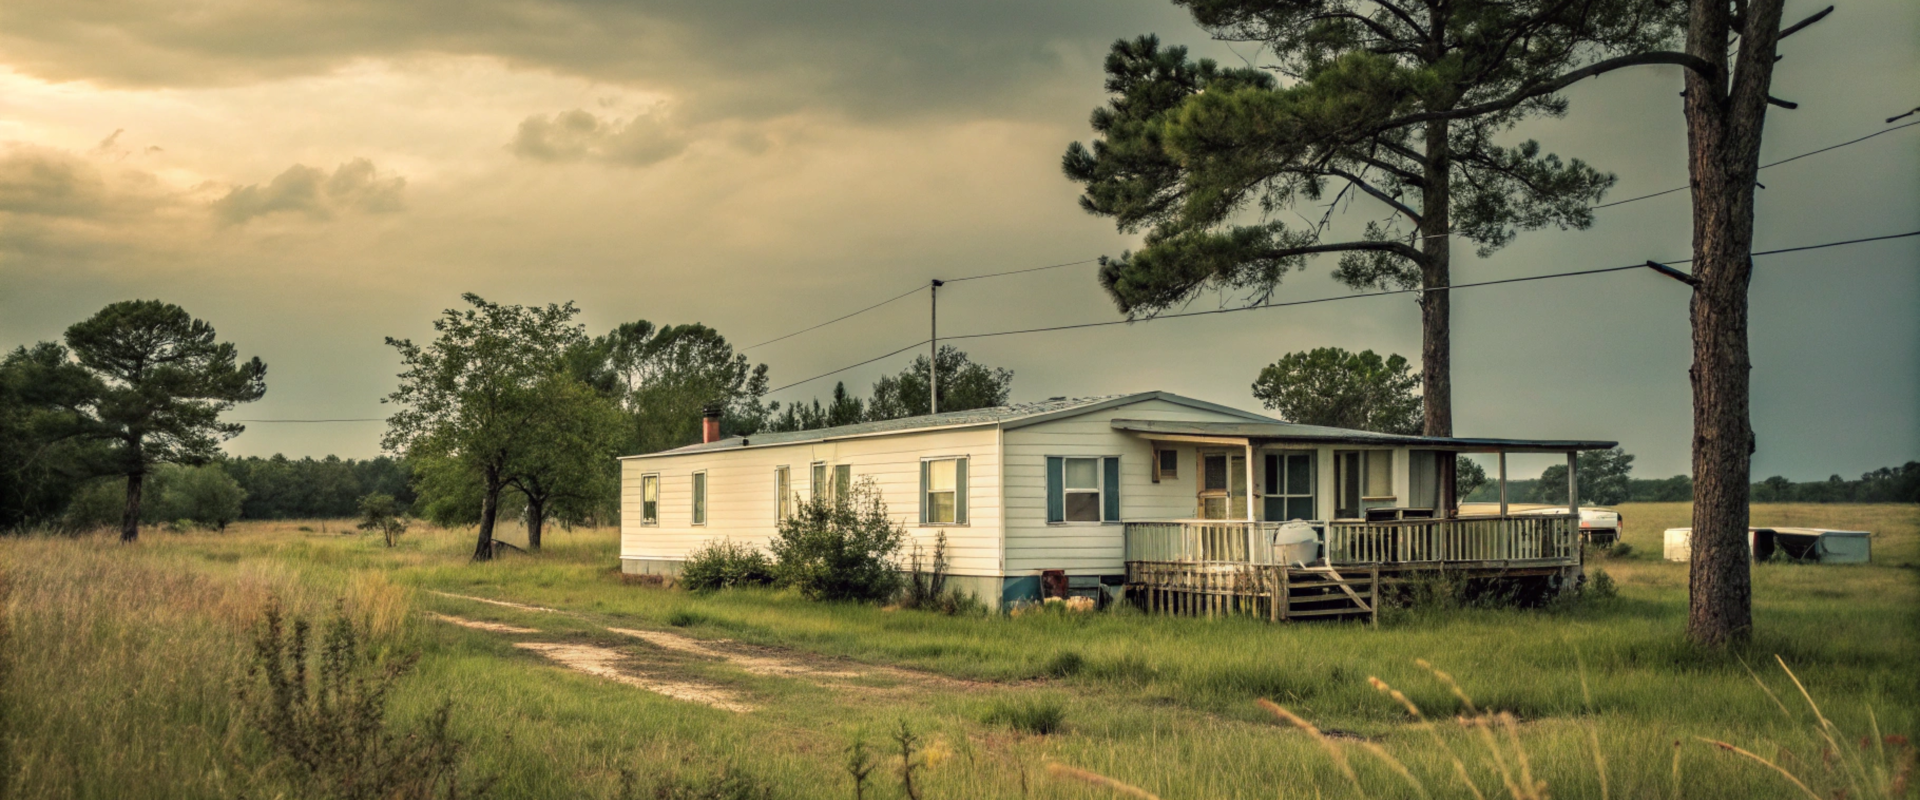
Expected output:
(1724, 120)
(1436, 346)
(130, 513)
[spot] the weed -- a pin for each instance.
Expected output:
(1600, 585)
(909, 743)
(1039, 716)
(324, 715)
(686, 618)
(1064, 664)
(859, 765)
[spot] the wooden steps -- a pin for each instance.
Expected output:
(1210, 589)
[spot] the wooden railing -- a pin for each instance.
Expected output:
(1468, 539)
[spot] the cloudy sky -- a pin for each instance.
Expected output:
(314, 175)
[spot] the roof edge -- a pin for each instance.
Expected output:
(1130, 399)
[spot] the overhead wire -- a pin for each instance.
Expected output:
(1334, 298)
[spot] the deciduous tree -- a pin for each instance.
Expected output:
(1333, 387)
(476, 398)
(964, 385)
(1603, 477)
(161, 380)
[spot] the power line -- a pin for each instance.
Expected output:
(1762, 166)
(907, 293)
(910, 293)
(1006, 273)
(1388, 292)
(851, 366)
(1021, 271)
(1363, 295)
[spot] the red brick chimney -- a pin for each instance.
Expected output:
(710, 424)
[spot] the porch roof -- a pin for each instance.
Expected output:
(1261, 432)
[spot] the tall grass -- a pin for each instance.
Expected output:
(125, 659)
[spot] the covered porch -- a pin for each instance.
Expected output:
(1373, 507)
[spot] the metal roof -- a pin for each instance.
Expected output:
(1008, 416)
(1320, 434)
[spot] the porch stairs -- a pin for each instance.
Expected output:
(1271, 591)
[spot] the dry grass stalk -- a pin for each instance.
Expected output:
(1059, 770)
(1459, 766)
(1761, 760)
(1332, 747)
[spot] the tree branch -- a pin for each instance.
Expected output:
(1692, 62)
(1803, 24)
(1786, 104)
(1362, 185)
(1396, 248)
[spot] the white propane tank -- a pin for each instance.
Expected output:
(1296, 542)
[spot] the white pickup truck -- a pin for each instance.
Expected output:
(1598, 525)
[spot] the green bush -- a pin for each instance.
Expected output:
(1600, 585)
(725, 564)
(841, 547)
(1038, 716)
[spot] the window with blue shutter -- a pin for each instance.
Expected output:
(943, 491)
(1083, 489)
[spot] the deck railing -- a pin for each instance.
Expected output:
(1467, 539)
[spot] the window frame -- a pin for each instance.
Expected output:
(653, 479)
(698, 508)
(842, 487)
(961, 497)
(1312, 495)
(1159, 463)
(818, 476)
(1099, 491)
(782, 493)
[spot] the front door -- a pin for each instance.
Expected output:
(1223, 486)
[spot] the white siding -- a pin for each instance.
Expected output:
(1084, 548)
(741, 498)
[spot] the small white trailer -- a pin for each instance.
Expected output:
(1822, 545)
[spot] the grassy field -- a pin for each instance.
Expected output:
(124, 662)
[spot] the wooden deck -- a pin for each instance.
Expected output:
(1215, 568)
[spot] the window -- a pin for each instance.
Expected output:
(649, 499)
(817, 482)
(782, 493)
(700, 498)
(842, 480)
(1083, 489)
(1166, 464)
(1362, 475)
(1289, 486)
(943, 491)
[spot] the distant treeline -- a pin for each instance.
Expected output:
(283, 488)
(1886, 485)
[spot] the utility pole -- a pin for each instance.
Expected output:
(933, 360)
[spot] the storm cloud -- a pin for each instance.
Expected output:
(309, 192)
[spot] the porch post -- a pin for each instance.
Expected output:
(1573, 485)
(1503, 483)
(1250, 495)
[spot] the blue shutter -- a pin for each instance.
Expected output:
(1056, 477)
(960, 491)
(1112, 492)
(925, 468)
